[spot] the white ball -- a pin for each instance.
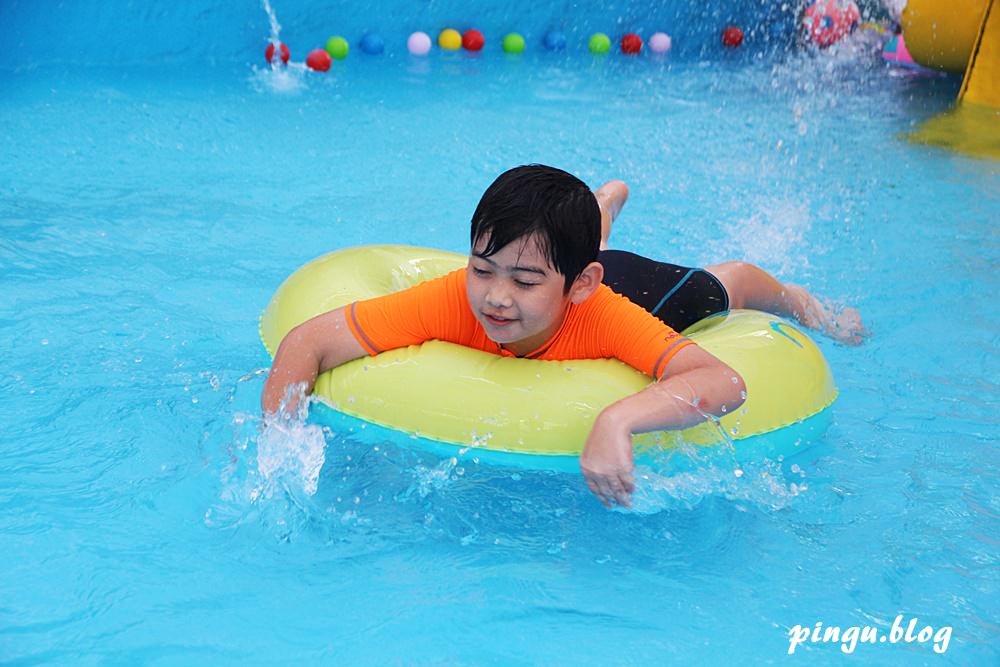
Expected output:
(659, 43)
(419, 43)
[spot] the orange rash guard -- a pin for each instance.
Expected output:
(605, 326)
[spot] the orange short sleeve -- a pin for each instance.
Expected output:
(437, 309)
(607, 325)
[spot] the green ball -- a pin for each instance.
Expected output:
(599, 43)
(513, 43)
(337, 47)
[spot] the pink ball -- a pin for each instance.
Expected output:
(659, 42)
(419, 43)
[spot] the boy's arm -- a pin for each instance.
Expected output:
(695, 385)
(429, 310)
(315, 346)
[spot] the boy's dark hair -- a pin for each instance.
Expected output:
(549, 202)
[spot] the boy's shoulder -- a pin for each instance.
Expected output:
(608, 325)
(437, 308)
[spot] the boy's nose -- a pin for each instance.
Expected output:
(499, 298)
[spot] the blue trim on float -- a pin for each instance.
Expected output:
(783, 442)
(777, 327)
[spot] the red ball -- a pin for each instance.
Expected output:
(319, 60)
(732, 36)
(631, 43)
(473, 40)
(285, 53)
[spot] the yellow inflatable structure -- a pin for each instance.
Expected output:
(446, 393)
(960, 37)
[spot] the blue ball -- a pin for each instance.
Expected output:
(555, 40)
(372, 44)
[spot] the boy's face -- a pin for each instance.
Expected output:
(517, 295)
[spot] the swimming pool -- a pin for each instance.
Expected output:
(149, 211)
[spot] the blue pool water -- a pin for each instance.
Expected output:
(148, 212)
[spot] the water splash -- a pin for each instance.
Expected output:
(290, 453)
(688, 474)
(272, 18)
(272, 468)
(772, 235)
(277, 77)
(428, 479)
(761, 483)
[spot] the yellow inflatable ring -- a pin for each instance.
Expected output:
(451, 394)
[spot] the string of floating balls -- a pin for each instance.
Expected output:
(449, 39)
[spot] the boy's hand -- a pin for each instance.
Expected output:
(606, 461)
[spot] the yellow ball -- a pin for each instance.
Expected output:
(450, 39)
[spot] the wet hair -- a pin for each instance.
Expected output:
(551, 203)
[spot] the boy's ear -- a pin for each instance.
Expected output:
(586, 283)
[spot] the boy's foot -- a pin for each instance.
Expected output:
(610, 198)
(844, 325)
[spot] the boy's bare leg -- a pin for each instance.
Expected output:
(751, 287)
(610, 197)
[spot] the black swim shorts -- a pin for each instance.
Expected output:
(678, 295)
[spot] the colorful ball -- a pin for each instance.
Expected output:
(372, 44)
(319, 60)
(285, 53)
(732, 37)
(660, 42)
(554, 40)
(337, 47)
(419, 43)
(513, 43)
(631, 44)
(450, 40)
(826, 22)
(473, 40)
(599, 43)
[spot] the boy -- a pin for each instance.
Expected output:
(532, 289)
